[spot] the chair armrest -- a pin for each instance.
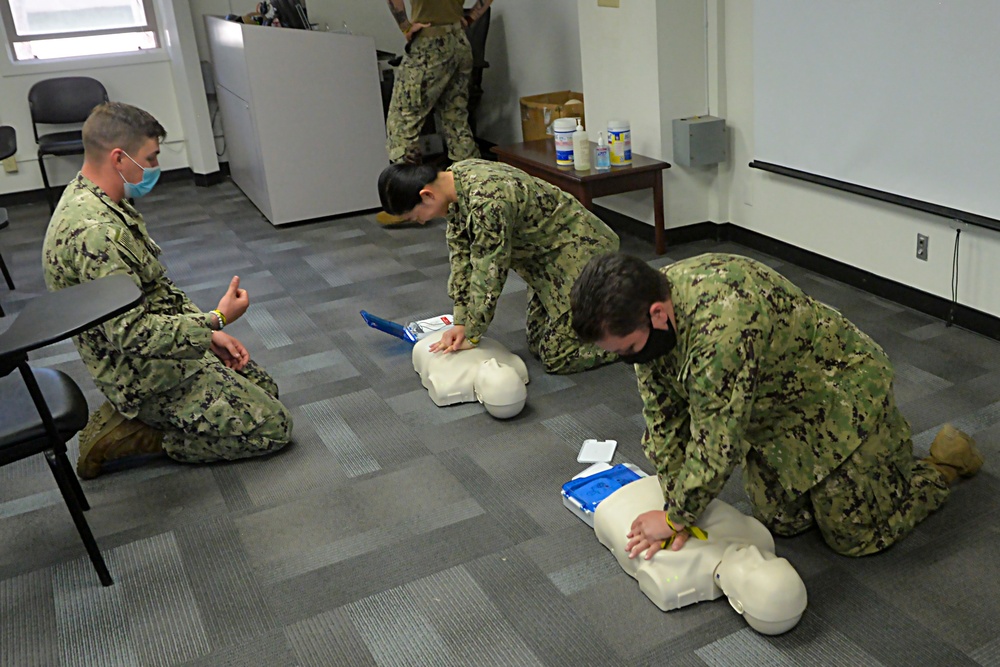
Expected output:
(55, 316)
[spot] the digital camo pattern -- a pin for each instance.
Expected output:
(555, 343)
(434, 76)
(766, 376)
(220, 414)
(151, 350)
(505, 219)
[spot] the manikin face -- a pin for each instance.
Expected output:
(765, 589)
(500, 389)
(738, 566)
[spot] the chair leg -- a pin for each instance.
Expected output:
(6, 273)
(62, 472)
(2, 314)
(74, 480)
(45, 181)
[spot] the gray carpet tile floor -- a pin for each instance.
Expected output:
(394, 532)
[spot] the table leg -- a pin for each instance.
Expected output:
(661, 236)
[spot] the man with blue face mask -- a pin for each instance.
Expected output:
(175, 383)
(737, 366)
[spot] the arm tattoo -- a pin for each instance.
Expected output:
(398, 10)
(479, 9)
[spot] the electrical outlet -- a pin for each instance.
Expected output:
(10, 165)
(922, 242)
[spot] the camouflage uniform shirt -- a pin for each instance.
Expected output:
(758, 366)
(506, 219)
(149, 349)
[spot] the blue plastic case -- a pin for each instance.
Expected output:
(387, 326)
(588, 492)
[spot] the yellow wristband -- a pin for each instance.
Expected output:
(405, 27)
(474, 341)
(222, 318)
(695, 532)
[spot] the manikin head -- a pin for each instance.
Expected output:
(500, 389)
(764, 589)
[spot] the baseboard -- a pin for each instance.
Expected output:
(208, 180)
(202, 180)
(931, 304)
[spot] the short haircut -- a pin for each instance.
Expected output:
(613, 294)
(399, 186)
(116, 125)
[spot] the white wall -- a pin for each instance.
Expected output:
(646, 61)
(867, 234)
(533, 47)
(146, 83)
(151, 81)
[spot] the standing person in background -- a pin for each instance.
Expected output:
(433, 77)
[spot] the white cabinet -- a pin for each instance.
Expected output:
(302, 116)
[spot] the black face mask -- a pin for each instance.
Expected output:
(658, 344)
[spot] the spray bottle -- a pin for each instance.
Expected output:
(581, 148)
(602, 154)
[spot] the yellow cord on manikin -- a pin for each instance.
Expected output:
(695, 531)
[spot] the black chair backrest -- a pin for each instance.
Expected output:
(8, 141)
(68, 99)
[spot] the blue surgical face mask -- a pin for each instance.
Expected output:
(149, 177)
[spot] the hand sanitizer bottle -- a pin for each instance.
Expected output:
(602, 154)
(581, 148)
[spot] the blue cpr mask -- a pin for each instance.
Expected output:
(150, 175)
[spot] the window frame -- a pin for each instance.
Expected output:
(13, 37)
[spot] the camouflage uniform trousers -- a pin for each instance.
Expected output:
(867, 504)
(434, 76)
(220, 414)
(556, 344)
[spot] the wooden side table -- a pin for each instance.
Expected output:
(538, 158)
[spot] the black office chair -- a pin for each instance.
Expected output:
(8, 146)
(44, 408)
(61, 101)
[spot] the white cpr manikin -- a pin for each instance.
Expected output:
(488, 373)
(737, 560)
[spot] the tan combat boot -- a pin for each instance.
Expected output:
(109, 436)
(954, 453)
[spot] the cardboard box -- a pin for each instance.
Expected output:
(538, 112)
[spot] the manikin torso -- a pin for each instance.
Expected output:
(489, 373)
(674, 579)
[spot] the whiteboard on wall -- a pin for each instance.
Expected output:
(901, 96)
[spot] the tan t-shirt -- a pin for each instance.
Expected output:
(436, 12)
